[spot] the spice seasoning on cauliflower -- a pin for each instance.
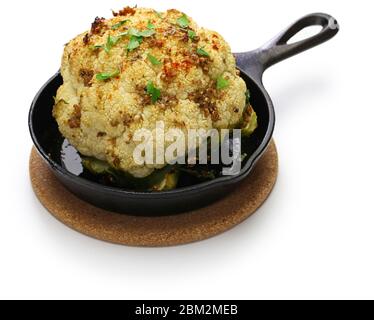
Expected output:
(136, 69)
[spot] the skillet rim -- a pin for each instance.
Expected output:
(221, 181)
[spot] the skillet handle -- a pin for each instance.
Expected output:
(276, 50)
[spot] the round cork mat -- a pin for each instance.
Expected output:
(158, 231)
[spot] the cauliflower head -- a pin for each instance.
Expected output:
(136, 69)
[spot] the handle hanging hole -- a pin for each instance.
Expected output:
(306, 33)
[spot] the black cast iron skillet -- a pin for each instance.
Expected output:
(47, 138)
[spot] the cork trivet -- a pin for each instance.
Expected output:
(158, 231)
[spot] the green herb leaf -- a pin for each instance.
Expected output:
(133, 32)
(202, 52)
(123, 34)
(222, 83)
(191, 34)
(110, 43)
(183, 21)
(96, 47)
(153, 92)
(153, 60)
(119, 24)
(147, 33)
(107, 75)
(150, 25)
(134, 43)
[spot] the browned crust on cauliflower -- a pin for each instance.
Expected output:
(105, 83)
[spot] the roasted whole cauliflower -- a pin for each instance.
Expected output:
(138, 68)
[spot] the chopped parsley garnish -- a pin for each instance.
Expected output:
(150, 25)
(107, 75)
(96, 47)
(134, 43)
(136, 37)
(191, 34)
(123, 34)
(222, 83)
(153, 60)
(153, 92)
(183, 21)
(110, 43)
(119, 24)
(132, 32)
(202, 52)
(147, 33)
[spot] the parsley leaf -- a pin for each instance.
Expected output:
(133, 32)
(123, 34)
(191, 34)
(119, 24)
(134, 43)
(150, 25)
(110, 43)
(222, 83)
(107, 75)
(144, 34)
(96, 47)
(153, 92)
(183, 21)
(147, 33)
(153, 60)
(202, 52)
(137, 37)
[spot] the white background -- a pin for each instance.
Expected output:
(313, 238)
